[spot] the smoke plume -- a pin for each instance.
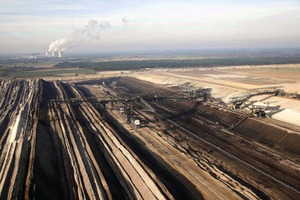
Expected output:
(90, 32)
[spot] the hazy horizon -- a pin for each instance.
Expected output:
(110, 26)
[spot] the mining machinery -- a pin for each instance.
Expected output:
(260, 109)
(238, 100)
(256, 109)
(193, 95)
(202, 94)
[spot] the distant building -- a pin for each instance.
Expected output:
(48, 53)
(55, 54)
(60, 54)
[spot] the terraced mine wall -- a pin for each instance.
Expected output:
(224, 117)
(51, 150)
(270, 135)
(19, 108)
(59, 151)
(260, 131)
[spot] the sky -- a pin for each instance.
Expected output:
(28, 26)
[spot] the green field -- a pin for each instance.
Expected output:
(19, 68)
(21, 74)
(142, 64)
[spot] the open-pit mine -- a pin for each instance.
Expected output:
(133, 136)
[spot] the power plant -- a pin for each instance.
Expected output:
(55, 54)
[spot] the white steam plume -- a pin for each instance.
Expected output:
(89, 32)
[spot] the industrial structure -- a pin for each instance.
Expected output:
(256, 108)
(253, 92)
(202, 94)
(55, 54)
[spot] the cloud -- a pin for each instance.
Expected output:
(90, 32)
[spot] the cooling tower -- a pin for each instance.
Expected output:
(60, 54)
(55, 54)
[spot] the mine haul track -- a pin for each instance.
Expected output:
(54, 150)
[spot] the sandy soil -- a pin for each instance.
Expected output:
(231, 81)
(225, 81)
